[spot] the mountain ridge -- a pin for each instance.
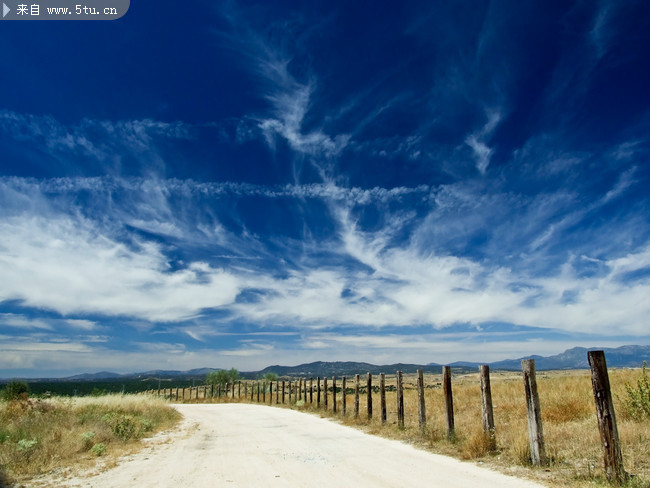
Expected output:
(631, 356)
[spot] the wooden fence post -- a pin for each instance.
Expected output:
(239, 388)
(369, 396)
(283, 392)
(311, 390)
(334, 394)
(290, 391)
(612, 456)
(488, 410)
(535, 432)
(304, 390)
(356, 396)
(343, 387)
(422, 413)
(325, 391)
(400, 401)
(318, 391)
(264, 392)
(382, 396)
(449, 401)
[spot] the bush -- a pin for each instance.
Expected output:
(98, 449)
(637, 400)
(16, 390)
(126, 427)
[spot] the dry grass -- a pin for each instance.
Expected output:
(568, 414)
(38, 436)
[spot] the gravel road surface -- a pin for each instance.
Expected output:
(240, 445)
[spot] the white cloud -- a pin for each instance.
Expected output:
(23, 322)
(477, 141)
(69, 266)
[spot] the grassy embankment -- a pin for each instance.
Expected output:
(64, 434)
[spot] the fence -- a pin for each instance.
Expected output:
(317, 393)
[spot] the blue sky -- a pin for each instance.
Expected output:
(240, 184)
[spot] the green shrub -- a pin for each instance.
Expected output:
(87, 439)
(126, 427)
(98, 449)
(637, 400)
(27, 445)
(16, 390)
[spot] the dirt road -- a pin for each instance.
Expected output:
(242, 445)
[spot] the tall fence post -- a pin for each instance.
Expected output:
(356, 396)
(318, 391)
(382, 396)
(283, 384)
(343, 388)
(422, 413)
(449, 401)
(325, 391)
(535, 432)
(369, 396)
(334, 394)
(612, 456)
(400, 401)
(311, 390)
(488, 410)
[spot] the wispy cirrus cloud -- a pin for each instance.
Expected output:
(289, 96)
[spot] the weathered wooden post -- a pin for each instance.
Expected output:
(290, 391)
(334, 394)
(343, 387)
(356, 396)
(449, 401)
(382, 396)
(535, 432)
(239, 388)
(252, 391)
(264, 392)
(422, 413)
(311, 390)
(233, 391)
(183, 393)
(177, 393)
(488, 410)
(400, 401)
(318, 391)
(369, 393)
(283, 392)
(325, 391)
(612, 456)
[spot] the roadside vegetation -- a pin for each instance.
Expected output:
(43, 435)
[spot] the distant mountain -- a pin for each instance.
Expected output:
(575, 358)
(339, 368)
(103, 375)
